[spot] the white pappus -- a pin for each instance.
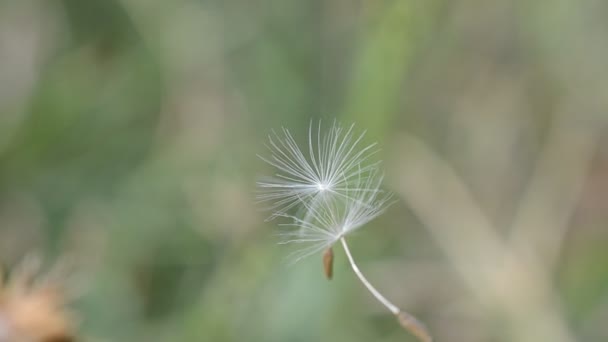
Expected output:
(336, 188)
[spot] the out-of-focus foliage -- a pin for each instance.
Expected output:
(128, 138)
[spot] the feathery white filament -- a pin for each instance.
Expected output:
(326, 168)
(330, 219)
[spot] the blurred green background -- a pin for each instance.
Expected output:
(128, 138)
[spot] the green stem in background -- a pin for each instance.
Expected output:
(407, 321)
(390, 37)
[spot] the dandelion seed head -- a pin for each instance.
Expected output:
(337, 191)
(332, 182)
(328, 165)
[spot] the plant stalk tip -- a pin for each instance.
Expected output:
(414, 326)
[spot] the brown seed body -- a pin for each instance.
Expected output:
(328, 263)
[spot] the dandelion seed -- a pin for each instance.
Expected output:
(338, 192)
(329, 220)
(325, 169)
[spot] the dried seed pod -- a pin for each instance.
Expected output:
(328, 263)
(414, 326)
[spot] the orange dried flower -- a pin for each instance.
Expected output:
(33, 307)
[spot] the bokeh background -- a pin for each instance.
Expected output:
(128, 140)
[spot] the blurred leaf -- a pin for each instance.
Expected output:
(387, 48)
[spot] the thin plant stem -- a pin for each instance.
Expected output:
(407, 321)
